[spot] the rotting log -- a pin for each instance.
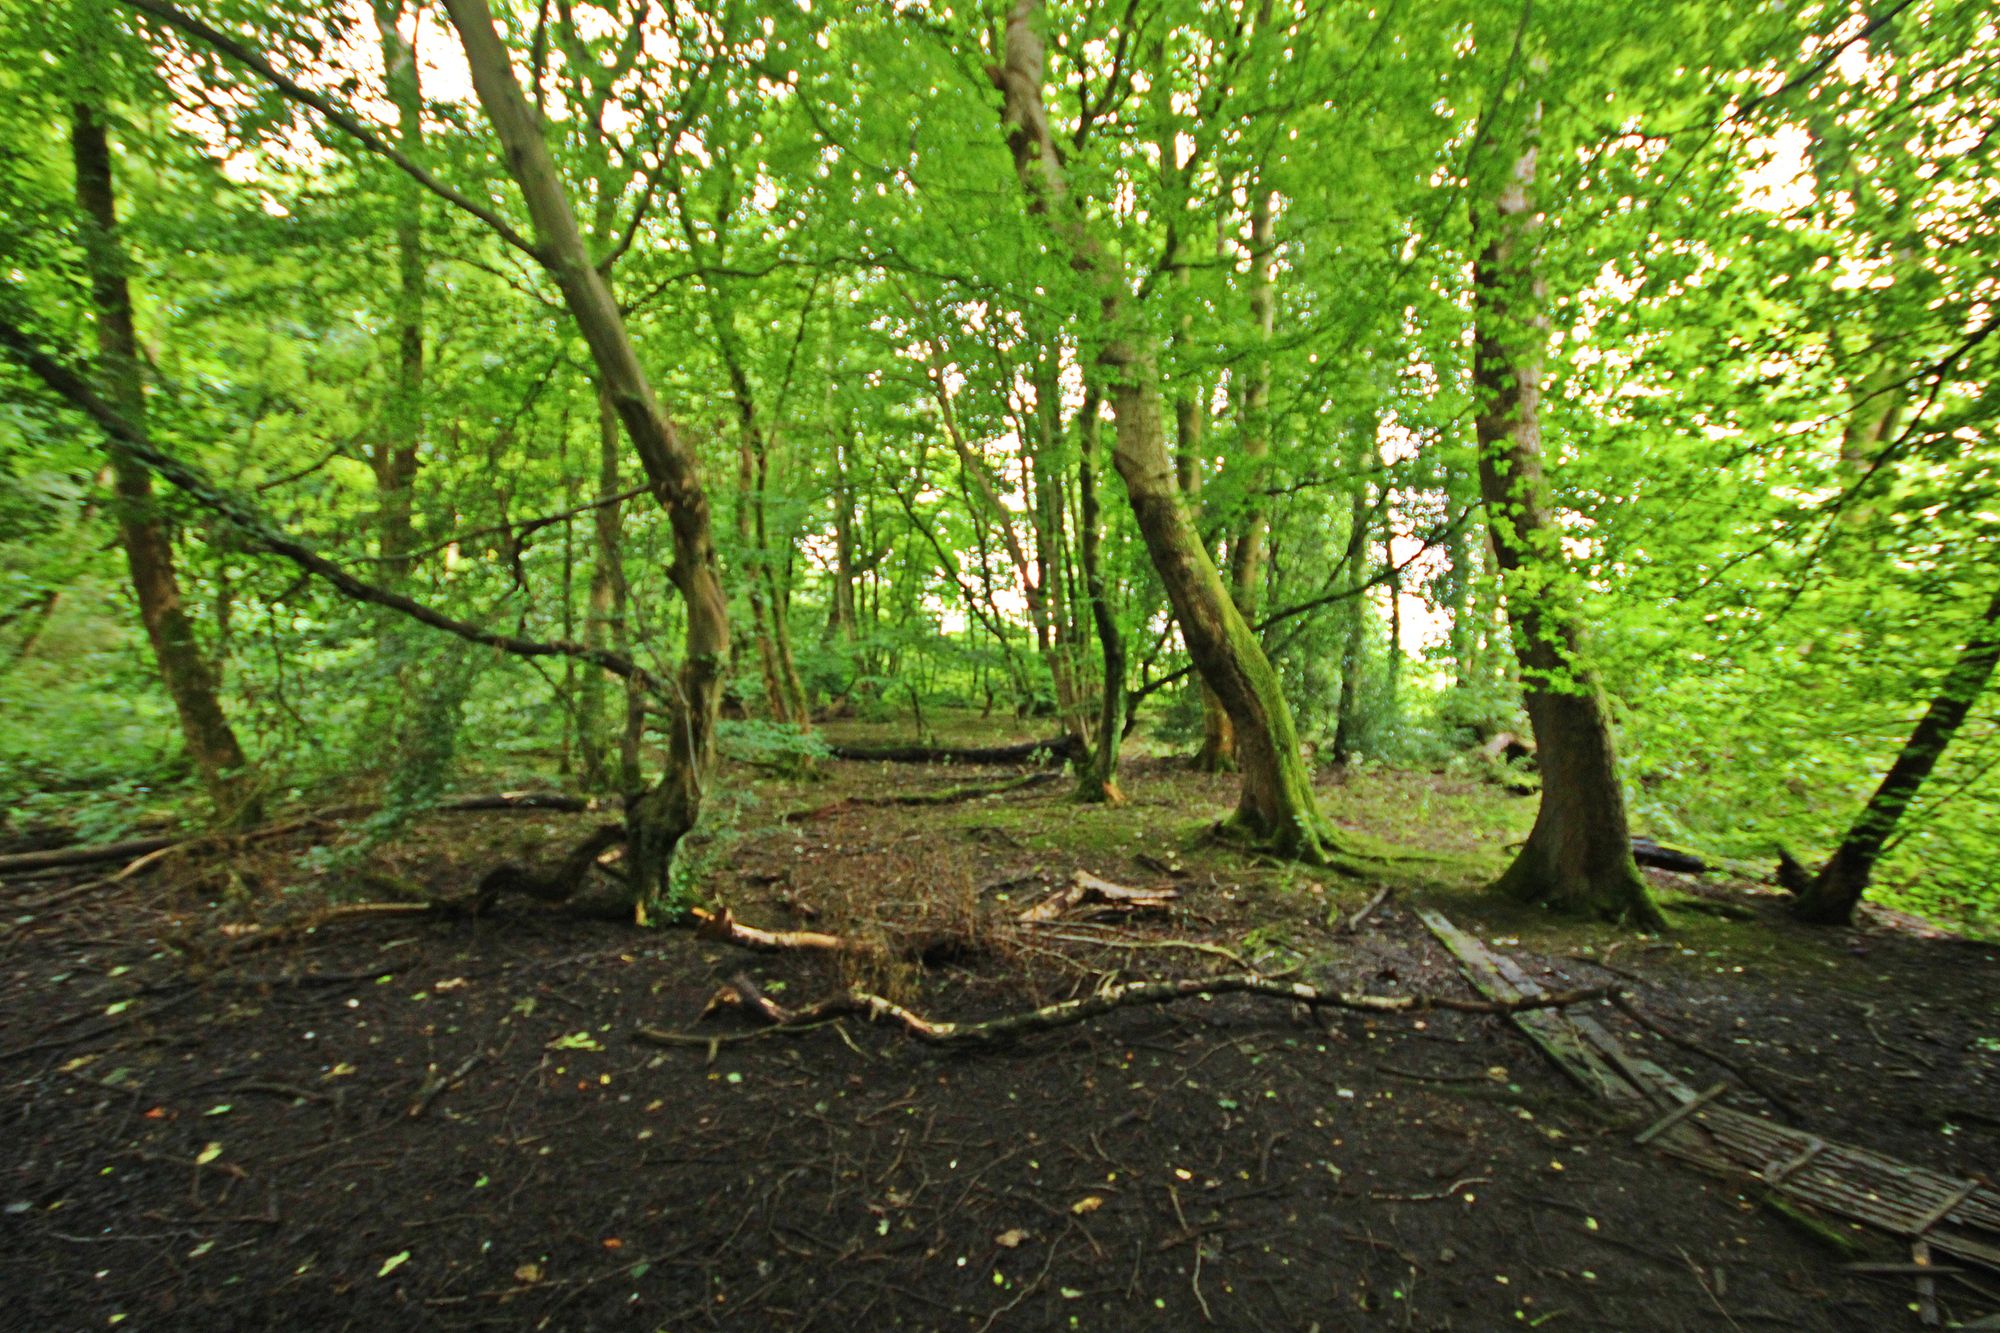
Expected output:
(1055, 750)
(949, 796)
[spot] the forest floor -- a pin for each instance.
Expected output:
(439, 1123)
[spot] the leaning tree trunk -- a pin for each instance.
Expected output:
(1833, 894)
(659, 818)
(1276, 805)
(149, 553)
(1578, 857)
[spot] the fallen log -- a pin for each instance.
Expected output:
(1068, 1013)
(63, 857)
(1647, 852)
(1055, 750)
(949, 796)
(1084, 888)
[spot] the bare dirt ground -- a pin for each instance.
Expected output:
(453, 1124)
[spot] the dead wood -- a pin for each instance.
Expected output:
(148, 849)
(1368, 909)
(949, 796)
(1648, 852)
(550, 883)
(1055, 750)
(1088, 889)
(725, 927)
(1068, 1013)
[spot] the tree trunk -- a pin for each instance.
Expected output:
(1247, 552)
(1578, 857)
(1353, 620)
(840, 623)
(1098, 780)
(394, 457)
(1276, 805)
(604, 624)
(659, 818)
(1836, 890)
(149, 553)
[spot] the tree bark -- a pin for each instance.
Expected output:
(1837, 889)
(1276, 804)
(604, 625)
(660, 817)
(1098, 780)
(394, 458)
(1247, 552)
(149, 554)
(1578, 857)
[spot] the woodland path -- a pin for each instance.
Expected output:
(450, 1125)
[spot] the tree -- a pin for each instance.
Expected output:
(149, 553)
(1276, 804)
(1578, 857)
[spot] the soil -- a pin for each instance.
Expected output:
(451, 1123)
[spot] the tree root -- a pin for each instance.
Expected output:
(741, 991)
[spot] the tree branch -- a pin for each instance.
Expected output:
(242, 54)
(261, 531)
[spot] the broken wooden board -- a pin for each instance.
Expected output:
(1500, 978)
(1952, 1215)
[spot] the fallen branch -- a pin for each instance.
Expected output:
(1085, 887)
(949, 796)
(1068, 1013)
(149, 849)
(725, 927)
(1355, 922)
(1052, 751)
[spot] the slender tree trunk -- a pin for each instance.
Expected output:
(395, 457)
(1218, 738)
(1838, 887)
(1247, 553)
(604, 624)
(840, 616)
(149, 552)
(1099, 778)
(658, 819)
(1353, 620)
(1578, 857)
(753, 583)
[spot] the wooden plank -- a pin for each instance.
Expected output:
(1680, 1113)
(1945, 1206)
(1940, 1212)
(1551, 1031)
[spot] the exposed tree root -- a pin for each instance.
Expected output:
(1068, 1013)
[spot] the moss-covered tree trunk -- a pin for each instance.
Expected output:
(1276, 804)
(1834, 893)
(659, 818)
(1578, 857)
(149, 552)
